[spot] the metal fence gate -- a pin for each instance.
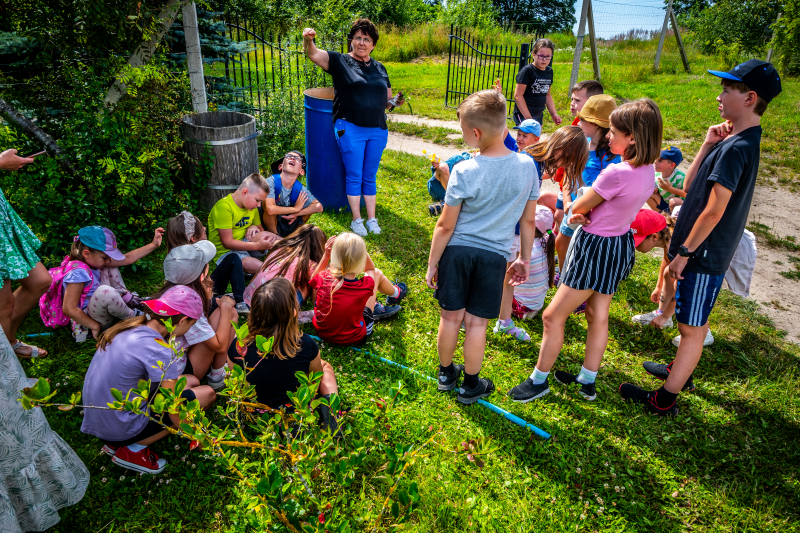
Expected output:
(474, 66)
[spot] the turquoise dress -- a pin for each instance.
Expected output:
(18, 244)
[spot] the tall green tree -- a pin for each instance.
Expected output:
(543, 16)
(740, 25)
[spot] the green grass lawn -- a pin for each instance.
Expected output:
(729, 462)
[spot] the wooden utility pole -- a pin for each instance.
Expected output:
(576, 61)
(680, 41)
(664, 29)
(593, 44)
(772, 48)
(194, 59)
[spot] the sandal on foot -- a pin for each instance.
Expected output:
(513, 331)
(35, 351)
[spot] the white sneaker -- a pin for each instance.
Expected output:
(305, 317)
(358, 227)
(708, 341)
(646, 318)
(373, 227)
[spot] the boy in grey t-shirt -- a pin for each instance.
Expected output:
(472, 241)
(290, 206)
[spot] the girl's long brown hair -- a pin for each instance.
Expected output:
(129, 323)
(306, 244)
(197, 286)
(273, 313)
(549, 245)
(567, 148)
(642, 120)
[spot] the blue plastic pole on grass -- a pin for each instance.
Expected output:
(492, 407)
(45, 334)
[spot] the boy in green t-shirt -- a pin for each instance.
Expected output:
(235, 229)
(668, 192)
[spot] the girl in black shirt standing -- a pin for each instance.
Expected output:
(361, 97)
(534, 81)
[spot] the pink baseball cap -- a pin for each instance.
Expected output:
(544, 219)
(178, 300)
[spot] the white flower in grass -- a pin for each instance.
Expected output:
(177, 447)
(605, 464)
(605, 485)
(104, 480)
(613, 475)
(578, 470)
(583, 517)
(616, 489)
(122, 478)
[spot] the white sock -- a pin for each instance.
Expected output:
(217, 374)
(538, 376)
(586, 376)
(136, 447)
(396, 292)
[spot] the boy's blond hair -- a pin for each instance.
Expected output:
(254, 181)
(485, 111)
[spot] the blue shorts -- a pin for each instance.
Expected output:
(436, 190)
(560, 201)
(696, 296)
(564, 229)
(663, 205)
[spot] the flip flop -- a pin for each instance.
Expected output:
(34, 351)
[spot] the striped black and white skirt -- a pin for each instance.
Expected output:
(598, 263)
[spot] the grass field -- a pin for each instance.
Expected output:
(729, 462)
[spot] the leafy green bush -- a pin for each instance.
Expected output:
(787, 39)
(746, 23)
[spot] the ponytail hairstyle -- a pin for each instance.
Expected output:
(273, 313)
(197, 286)
(306, 245)
(549, 246)
(603, 149)
(567, 148)
(77, 249)
(665, 235)
(134, 322)
(641, 120)
(349, 254)
(182, 228)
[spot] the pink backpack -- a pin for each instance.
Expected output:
(51, 303)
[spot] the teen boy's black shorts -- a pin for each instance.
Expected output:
(471, 278)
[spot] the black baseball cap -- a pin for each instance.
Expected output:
(759, 75)
(274, 166)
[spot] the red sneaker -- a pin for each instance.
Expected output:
(109, 450)
(145, 460)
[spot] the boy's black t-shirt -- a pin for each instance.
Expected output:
(733, 163)
(274, 377)
(538, 84)
(361, 90)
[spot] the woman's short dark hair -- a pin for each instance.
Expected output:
(366, 27)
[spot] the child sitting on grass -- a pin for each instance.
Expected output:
(234, 227)
(440, 175)
(602, 253)
(207, 341)
(529, 296)
(566, 148)
(669, 192)
(289, 203)
(473, 240)
(294, 258)
(273, 313)
(131, 351)
(94, 293)
(184, 229)
(346, 307)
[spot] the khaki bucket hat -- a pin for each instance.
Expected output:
(597, 109)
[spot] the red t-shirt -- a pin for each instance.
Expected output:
(341, 320)
(560, 172)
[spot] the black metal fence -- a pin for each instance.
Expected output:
(474, 66)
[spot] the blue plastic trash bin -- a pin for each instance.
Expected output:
(325, 174)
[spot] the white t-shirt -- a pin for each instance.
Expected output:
(201, 331)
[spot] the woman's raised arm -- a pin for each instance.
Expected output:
(317, 56)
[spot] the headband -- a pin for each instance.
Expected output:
(188, 224)
(76, 238)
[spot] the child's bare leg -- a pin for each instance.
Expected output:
(508, 296)
(557, 219)
(674, 202)
(328, 384)
(554, 319)
(447, 338)
(382, 283)
(270, 222)
(653, 201)
(251, 265)
(474, 343)
(597, 334)
(562, 245)
(443, 175)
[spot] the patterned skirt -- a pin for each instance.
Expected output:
(18, 244)
(598, 263)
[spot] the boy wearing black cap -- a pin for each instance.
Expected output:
(669, 181)
(719, 187)
(289, 204)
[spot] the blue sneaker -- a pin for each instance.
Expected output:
(403, 288)
(382, 312)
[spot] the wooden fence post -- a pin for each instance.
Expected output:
(664, 28)
(593, 44)
(194, 59)
(772, 48)
(684, 58)
(576, 60)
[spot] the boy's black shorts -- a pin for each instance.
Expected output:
(472, 279)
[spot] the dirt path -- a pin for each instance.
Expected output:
(772, 206)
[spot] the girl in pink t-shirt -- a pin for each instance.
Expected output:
(601, 253)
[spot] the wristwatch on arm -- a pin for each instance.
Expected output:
(683, 251)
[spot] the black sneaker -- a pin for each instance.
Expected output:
(588, 390)
(661, 371)
(448, 381)
(436, 209)
(527, 391)
(403, 288)
(382, 312)
(469, 396)
(632, 393)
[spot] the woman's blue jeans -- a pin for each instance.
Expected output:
(361, 149)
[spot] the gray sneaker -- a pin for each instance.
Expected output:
(358, 227)
(242, 308)
(646, 318)
(373, 227)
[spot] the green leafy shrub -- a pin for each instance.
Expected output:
(746, 23)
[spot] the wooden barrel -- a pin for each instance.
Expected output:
(232, 138)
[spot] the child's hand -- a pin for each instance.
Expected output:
(96, 331)
(432, 277)
(301, 200)
(557, 119)
(664, 184)
(225, 302)
(329, 246)
(655, 295)
(158, 237)
(250, 233)
(498, 86)
(579, 219)
(519, 272)
(718, 132)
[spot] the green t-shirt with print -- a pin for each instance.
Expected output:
(227, 215)
(676, 180)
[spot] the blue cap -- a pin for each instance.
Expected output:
(530, 126)
(672, 154)
(100, 238)
(758, 75)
